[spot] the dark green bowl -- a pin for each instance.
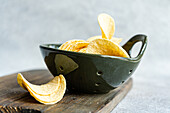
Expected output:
(92, 73)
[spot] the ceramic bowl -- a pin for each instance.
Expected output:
(92, 73)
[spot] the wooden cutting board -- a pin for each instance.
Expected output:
(15, 99)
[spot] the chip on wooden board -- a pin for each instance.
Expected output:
(55, 96)
(45, 96)
(106, 47)
(44, 89)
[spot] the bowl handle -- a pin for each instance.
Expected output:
(137, 38)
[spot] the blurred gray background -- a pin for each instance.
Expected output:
(24, 25)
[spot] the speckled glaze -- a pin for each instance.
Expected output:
(92, 73)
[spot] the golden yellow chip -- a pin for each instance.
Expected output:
(83, 50)
(45, 89)
(106, 47)
(107, 25)
(54, 97)
(73, 43)
(64, 45)
(20, 81)
(68, 44)
(79, 45)
(116, 40)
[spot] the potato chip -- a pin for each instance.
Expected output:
(69, 43)
(106, 47)
(64, 45)
(54, 97)
(79, 45)
(107, 25)
(20, 81)
(116, 40)
(45, 89)
(83, 50)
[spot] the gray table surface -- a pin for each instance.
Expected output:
(24, 25)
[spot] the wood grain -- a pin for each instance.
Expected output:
(14, 99)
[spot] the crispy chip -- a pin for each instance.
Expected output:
(83, 50)
(116, 40)
(54, 97)
(107, 25)
(69, 43)
(79, 45)
(20, 81)
(106, 47)
(45, 89)
(64, 45)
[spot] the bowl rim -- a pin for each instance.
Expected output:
(45, 46)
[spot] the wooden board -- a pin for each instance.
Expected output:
(15, 99)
